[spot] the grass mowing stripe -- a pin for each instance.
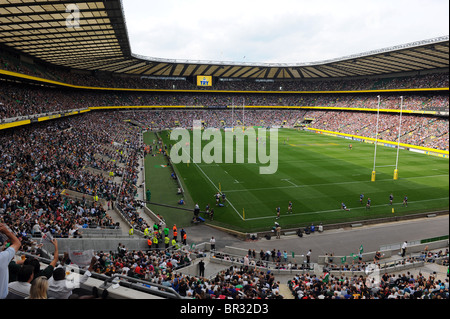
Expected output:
(164, 190)
(351, 208)
(212, 183)
(317, 177)
(327, 184)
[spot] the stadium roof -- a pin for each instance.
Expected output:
(92, 35)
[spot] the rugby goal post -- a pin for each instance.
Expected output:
(373, 178)
(398, 142)
(376, 142)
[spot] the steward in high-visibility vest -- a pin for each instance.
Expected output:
(149, 243)
(131, 232)
(155, 242)
(174, 244)
(175, 234)
(96, 198)
(146, 232)
(167, 241)
(184, 239)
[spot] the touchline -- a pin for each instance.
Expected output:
(258, 142)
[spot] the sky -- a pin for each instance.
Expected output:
(278, 31)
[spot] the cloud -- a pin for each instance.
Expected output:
(282, 31)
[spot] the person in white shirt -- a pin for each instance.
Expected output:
(6, 256)
(246, 261)
(213, 243)
(174, 262)
(405, 244)
(36, 230)
(20, 289)
(308, 256)
(60, 288)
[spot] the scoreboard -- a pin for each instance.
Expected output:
(204, 80)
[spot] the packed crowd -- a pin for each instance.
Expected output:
(19, 100)
(39, 162)
(152, 265)
(376, 283)
(161, 119)
(156, 265)
(83, 154)
(26, 279)
(388, 286)
(425, 131)
(241, 281)
(10, 62)
(18, 276)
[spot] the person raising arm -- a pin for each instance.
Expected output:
(5, 257)
(48, 271)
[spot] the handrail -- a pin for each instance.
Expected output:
(168, 291)
(271, 265)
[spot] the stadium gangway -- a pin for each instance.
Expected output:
(142, 285)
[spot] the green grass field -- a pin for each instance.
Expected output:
(317, 173)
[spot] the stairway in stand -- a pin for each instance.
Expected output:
(286, 292)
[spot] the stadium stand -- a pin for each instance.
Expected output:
(76, 177)
(33, 204)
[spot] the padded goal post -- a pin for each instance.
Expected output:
(395, 174)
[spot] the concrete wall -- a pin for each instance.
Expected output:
(98, 244)
(388, 270)
(297, 259)
(290, 231)
(368, 257)
(100, 233)
(211, 268)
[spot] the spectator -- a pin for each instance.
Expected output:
(47, 271)
(278, 231)
(201, 268)
(308, 256)
(20, 289)
(39, 288)
(59, 288)
(404, 245)
(5, 257)
(212, 241)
